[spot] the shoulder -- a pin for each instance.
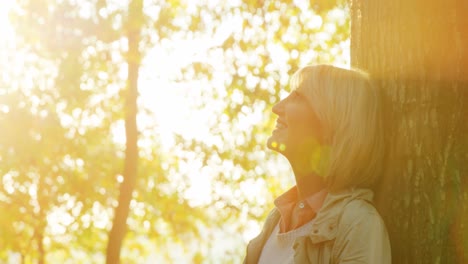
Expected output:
(353, 205)
(340, 211)
(361, 221)
(361, 214)
(254, 248)
(349, 205)
(271, 221)
(362, 234)
(273, 217)
(358, 209)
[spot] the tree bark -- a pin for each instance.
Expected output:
(119, 227)
(417, 50)
(40, 248)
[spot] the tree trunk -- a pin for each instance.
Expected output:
(40, 247)
(117, 233)
(418, 52)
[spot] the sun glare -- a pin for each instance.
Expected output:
(185, 85)
(5, 27)
(6, 30)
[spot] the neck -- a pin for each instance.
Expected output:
(308, 182)
(305, 167)
(308, 185)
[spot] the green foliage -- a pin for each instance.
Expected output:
(273, 39)
(61, 153)
(59, 159)
(270, 40)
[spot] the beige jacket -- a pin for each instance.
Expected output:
(347, 229)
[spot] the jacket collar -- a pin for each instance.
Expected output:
(325, 224)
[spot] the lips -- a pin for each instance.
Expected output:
(281, 124)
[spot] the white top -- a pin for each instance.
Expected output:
(279, 246)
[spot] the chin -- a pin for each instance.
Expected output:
(276, 144)
(269, 142)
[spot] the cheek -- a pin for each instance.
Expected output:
(305, 127)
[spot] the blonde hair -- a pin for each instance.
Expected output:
(348, 106)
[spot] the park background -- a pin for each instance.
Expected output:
(135, 130)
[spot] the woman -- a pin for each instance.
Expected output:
(330, 130)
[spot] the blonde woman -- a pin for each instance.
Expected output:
(330, 130)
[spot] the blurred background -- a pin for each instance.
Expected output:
(147, 120)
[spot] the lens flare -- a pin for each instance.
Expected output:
(282, 147)
(274, 144)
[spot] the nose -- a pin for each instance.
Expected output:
(278, 108)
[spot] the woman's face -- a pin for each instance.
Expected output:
(298, 130)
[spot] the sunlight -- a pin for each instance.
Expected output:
(174, 103)
(8, 182)
(200, 93)
(5, 26)
(7, 35)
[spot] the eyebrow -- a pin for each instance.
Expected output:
(298, 93)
